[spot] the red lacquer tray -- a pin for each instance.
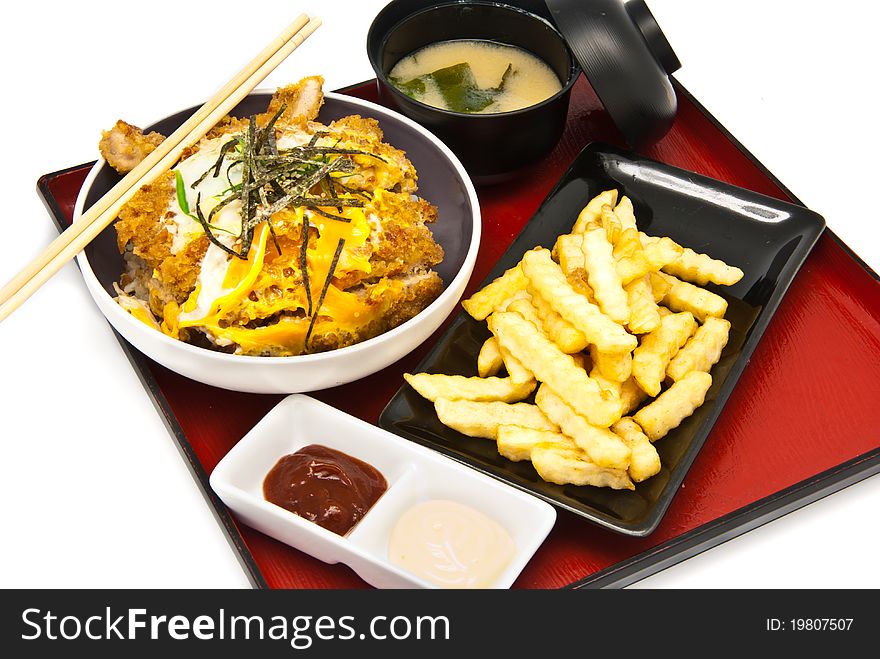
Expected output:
(792, 432)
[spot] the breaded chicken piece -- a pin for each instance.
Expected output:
(418, 289)
(403, 239)
(140, 228)
(391, 171)
(124, 146)
(303, 100)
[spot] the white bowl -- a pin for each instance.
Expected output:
(442, 181)
(414, 474)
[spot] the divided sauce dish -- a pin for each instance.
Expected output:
(414, 475)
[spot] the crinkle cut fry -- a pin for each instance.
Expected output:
(652, 357)
(674, 405)
(482, 419)
(494, 294)
(600, 444)
(684, 296)
(516, 443)
(568, 467)
(489, 361)
(645, 461)
(548, 280)
(702, 351)
(603, 277)
(457, 387)
(549, 364)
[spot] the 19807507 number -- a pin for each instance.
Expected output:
(821, 624)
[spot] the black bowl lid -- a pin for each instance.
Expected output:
(627, 59)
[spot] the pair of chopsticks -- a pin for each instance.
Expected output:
(74, 239)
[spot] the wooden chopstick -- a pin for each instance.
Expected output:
(74, 239)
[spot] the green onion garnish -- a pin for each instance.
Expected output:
(181, 192)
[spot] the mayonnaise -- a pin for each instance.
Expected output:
(450, 545)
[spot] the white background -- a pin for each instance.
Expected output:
(93, 492)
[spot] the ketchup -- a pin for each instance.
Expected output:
(325, 486)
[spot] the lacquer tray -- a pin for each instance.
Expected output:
(791, 432)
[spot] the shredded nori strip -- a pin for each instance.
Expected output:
(317, 136)
(217, 164)
(349, 190)
(331, 216)
(333, 263)
(207, 227)
(303, 261)
(316, 202)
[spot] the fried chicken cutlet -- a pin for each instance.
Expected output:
(277, 235)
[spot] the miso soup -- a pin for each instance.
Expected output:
(475, 76)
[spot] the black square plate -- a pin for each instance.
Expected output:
(767, 238)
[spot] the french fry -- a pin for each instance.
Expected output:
(550, 365)
(519, 295)
(546, 278)
(476, 419)
(674, 405)
(652, 357)
(516, 443)
(627, 245)
(565, 335)
(569, 251)
(568, 467)
(614, 366)
(525, 308)
(515, 369)
(601, 445)
(493, 295)
(489, 360)
(602, 276)
(659, 286)
(570, 254)
(644, 316)
(702, 351)
(631, 395)
(625, 213)
(457, 387)
(660, 251)
(684, 296)
(632, 262)
(593, 210)
(644, 462)
(630, 268)
(701, 269)
(610, 224)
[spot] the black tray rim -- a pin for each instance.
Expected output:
(620, 575)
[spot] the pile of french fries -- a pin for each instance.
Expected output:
(613, 334)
